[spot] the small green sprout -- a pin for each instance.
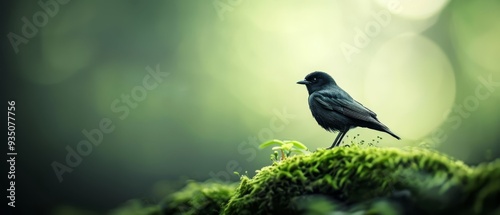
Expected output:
(286, 148)
(239, 174)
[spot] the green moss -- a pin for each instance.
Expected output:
(199, 198)
(483, 188)
(348, 180)
(352, 176)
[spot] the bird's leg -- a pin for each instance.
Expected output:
(336, 139)
(341, 137)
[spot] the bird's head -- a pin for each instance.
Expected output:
(317, 81)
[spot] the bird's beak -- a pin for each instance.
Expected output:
(303, 82)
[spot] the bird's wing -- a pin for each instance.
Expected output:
(371, 112)
(345, 106)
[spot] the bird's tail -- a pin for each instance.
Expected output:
(392, 134)
(385, 129)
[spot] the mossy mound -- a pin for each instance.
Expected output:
(354, 176)
(483, 189)
(345, 180)
(199, 198)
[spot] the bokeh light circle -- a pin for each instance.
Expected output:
(65, 46)
(475, 36)
(411, 84)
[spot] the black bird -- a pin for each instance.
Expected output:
(336, 110)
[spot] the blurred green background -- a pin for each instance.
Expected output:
(430, 70)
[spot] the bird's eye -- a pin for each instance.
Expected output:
(314, 79)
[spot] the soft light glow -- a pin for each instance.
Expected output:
(411, 84)
(475, 36)
(422, 9)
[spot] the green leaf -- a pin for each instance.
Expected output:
(287, 146)
(277, 148)
(297, 144)
(270, 142)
